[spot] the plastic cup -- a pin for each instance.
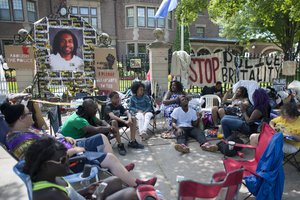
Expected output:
(231, 145)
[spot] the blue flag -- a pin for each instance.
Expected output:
(165, 7)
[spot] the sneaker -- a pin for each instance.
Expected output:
(151, 181)
(130, 167)
(211, 148)
(182, 148)
(134, 144)
(121, 149)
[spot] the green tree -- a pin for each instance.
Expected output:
(277, 21)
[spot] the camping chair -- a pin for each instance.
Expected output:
(225, 186)
(292, 159)
(209, 102)
(265, 136)
(3, 130)
(153, 119)
(54, 117)
(74, 179)
(267, 182)
(123, 130)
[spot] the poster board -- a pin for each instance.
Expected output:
(54, 68)
(19, 57)
(107, 75)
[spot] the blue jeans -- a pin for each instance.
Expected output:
(233, 123)
(94, 146)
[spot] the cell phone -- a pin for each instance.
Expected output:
(99, 191)
(290, 138)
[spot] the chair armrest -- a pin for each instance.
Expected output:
(241, 145)
(218, 176)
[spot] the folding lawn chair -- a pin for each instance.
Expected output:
(265, 136)
(292, 159)
(263, 152)
(74, 179)
(224, 185)
(54, 117)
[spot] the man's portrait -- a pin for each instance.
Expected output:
(66, 49)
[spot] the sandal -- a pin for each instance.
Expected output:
(144, 136)
(168, 135)
(182, 148)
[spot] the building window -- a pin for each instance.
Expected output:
(74, 10)
(150, 17)
(141, 16)
(4, 10)
(94, 11)
(87, 14)
(142, 50)
(130, 17)
(130, 50)
(200, 31)
(31, 11)
(83, 11)
(161, 23)
(94, 22)
(17, 10)
(170, 20)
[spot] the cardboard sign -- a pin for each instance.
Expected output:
(107, 74)
(19, 57)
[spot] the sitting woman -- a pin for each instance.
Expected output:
(249, 121)
(289, 124)
(141, 107)
(171, 99)
(240, 97)
(21, 136)
(46, 162)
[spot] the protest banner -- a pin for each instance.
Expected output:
(228, 68)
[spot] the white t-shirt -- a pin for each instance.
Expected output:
(59, 63)
(184, 119)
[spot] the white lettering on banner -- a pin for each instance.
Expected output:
(225, 67)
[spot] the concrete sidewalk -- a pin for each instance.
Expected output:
(11, 186)
(159, 159)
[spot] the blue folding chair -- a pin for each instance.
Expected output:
(76, 180)
(18, 169)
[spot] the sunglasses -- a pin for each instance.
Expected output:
(62, 160)
(29, 113)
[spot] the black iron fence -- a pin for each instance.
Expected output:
(130, 68)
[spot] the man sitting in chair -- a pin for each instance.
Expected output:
(113, 112)
(185, 122)
(84, 123)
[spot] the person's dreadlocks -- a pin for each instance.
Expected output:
(38, 153)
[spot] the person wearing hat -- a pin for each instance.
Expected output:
(21, 135)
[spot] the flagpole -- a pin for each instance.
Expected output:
(182, 38)
(182, 35)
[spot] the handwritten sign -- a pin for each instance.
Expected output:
(225, 67)
(107, 75)
(19, 57)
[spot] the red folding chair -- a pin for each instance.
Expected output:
(265, 136)
(228, 183)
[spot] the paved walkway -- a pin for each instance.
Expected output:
(157, 159)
